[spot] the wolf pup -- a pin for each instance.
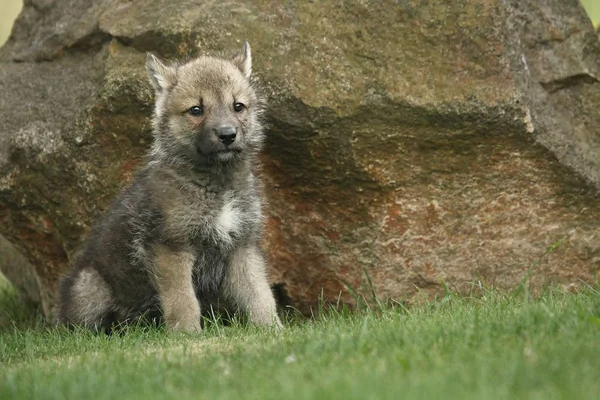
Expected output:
(186, 233)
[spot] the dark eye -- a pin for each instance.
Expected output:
(196, 111)
(238, 107)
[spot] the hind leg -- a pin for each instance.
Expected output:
(85, 300)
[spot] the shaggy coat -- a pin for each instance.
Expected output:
(185, 235)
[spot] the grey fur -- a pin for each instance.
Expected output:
(186, 233)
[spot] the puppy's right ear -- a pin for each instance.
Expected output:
(244, 60)
(162, 77)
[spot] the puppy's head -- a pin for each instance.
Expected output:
(206, 110)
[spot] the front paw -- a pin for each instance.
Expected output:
(266, 319)
(189, 326)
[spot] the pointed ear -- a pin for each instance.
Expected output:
(244, 60)
(162, 77)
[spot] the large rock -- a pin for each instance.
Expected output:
(410, 143)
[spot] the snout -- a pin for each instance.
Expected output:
(220, 140)
(226, 134)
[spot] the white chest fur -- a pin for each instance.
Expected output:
(229, 220)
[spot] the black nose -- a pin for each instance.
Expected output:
(226, 134)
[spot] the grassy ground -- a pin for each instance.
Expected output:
(496, 347)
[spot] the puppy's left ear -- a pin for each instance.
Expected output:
(162, 76)
(244, 60)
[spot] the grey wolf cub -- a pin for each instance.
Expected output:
(185, 235)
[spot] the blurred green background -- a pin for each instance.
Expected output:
(593, 9)
(9, 9)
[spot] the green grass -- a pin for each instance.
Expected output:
(491, 347)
